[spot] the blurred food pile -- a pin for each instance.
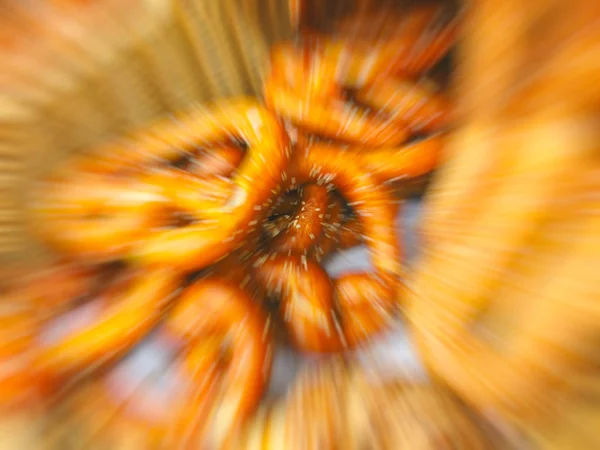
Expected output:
(504, 304)
(196, 205)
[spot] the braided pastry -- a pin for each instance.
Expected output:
(102, 221)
